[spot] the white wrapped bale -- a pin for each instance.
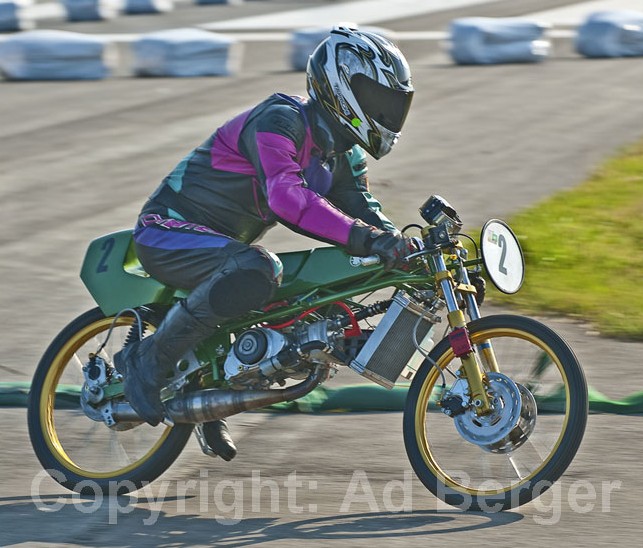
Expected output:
(139, 7)
(91, 10)
(184, 53)
(53, 55)
(13, 16)
(611, 34)
(304, 41)
(486, 41)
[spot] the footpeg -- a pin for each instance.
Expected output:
(215, 441)
(200, 438)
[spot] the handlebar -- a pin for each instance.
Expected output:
(371, 260)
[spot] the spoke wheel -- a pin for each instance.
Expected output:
(449, 456)
(79, 453)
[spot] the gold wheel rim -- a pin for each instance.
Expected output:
(421, 410)
(47, 403)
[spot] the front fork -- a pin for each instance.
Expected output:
(485, 349)
(473, 371)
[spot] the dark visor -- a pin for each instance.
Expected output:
(388, 107)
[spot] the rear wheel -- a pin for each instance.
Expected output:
(80, 453)
(449, 453)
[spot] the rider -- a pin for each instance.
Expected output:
(292, 160)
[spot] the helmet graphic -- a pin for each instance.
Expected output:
(363, 82)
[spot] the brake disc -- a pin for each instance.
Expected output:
(511, 421)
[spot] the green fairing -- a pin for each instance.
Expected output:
(115, 279)
(305, 271)
(109, 273)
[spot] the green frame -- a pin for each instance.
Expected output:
(311, 278)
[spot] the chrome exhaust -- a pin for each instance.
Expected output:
(210, 405)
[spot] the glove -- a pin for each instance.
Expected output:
(478, 282)
(366, 240)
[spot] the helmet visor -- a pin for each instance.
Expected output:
(388, 107)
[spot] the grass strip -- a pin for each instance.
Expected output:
(584, 250)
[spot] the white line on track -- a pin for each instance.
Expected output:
(362, 12)
(575, 14)
(265, 28)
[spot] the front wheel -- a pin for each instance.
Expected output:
(449, 453)
(82, 454)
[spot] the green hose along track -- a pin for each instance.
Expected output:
(361, 397)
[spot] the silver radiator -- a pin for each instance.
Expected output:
(390, 348)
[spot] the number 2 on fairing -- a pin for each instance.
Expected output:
(107, 247)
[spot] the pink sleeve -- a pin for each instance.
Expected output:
(289, 199)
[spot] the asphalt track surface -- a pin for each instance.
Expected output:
(78, 158)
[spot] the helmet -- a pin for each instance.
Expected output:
(363, 82)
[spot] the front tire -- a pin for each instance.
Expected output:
(79, 453)
(470, 477)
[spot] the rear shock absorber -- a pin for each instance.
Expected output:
(134, 334)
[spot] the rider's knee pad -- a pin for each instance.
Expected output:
(258, 258)
(249, 279)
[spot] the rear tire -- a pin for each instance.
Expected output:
(79, 453)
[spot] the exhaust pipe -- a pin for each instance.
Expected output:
(210, 405)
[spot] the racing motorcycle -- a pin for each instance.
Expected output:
(495, 411)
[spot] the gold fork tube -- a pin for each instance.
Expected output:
(471, 369)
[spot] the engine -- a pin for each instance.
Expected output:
(261, 356)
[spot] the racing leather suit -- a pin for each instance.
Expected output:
(273, 163)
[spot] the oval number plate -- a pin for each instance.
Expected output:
(502, 256)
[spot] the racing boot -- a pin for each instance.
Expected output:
(146, 364)
(218, 438)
